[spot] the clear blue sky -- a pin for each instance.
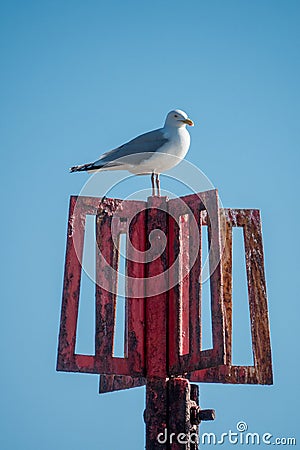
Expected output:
(78, 78)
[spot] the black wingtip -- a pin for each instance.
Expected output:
(80, 168)
(85, 167)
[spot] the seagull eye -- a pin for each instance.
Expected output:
(175, 115)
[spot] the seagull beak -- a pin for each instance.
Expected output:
(188, 122)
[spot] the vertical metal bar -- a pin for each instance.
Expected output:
(227, 282)
(71, 289)
(179, 414)
(185, 283)
(218, 354)
(135, 292)
(195, 292)
(157, 281)
(107, 255)
(258, 297)
(175, 297)
(156, 344)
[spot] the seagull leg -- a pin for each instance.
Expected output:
(158, 184)
(153, 186)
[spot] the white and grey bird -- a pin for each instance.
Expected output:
(150, 153)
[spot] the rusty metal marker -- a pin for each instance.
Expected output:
(164, 269)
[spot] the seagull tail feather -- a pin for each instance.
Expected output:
(83, 168)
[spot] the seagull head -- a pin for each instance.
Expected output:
(178, 118)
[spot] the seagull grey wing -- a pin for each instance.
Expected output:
(135, 151)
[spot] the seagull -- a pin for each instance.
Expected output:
(150, 153)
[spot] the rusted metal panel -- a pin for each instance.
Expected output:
(183, 299)
(134, 227)
(68, 360)
(111, 214)
(130, 221)
(261, 371)
(163, 315)
(184, 332)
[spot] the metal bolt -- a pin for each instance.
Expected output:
(197, 415)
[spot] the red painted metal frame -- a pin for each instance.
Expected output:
(261, 371)
(103, 361)
(186, 296)
(163, 331)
